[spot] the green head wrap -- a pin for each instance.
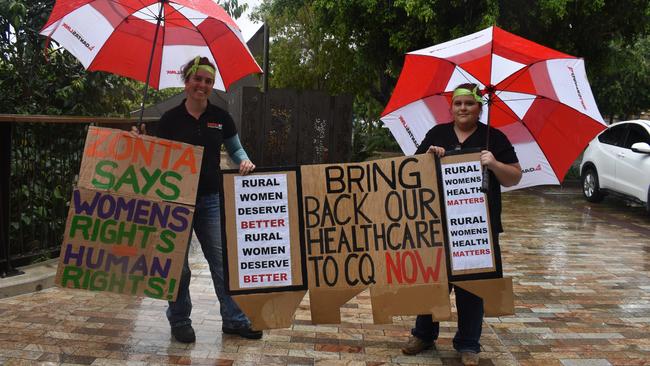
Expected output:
(474, 93)
(196, 67)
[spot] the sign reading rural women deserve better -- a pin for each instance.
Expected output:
(130, 217)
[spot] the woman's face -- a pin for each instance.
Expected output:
(465, 110)
(199, 85)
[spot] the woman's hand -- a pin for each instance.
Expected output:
(246, 167)
(437, 151)
(508, 175)
(136, 133)
(487, 159)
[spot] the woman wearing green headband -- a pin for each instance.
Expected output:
(466, 132)
(198, 122)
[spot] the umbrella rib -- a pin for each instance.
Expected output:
(520, 99)
(463, 71)
(135, 10)
(508, 111)
(181, 16)
(522, 71)
(153, 15)
(176, 10)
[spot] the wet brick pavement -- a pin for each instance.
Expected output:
(582, 293)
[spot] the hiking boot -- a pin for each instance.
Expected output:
(184, 334)
(415, 345)
(469, 358)
(244, 332)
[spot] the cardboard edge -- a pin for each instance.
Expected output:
(329, 303)
(497, 295)
(270, 310)
(411, 300)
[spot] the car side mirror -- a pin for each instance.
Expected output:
(641, 147)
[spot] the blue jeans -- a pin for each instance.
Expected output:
(470, 323)
(207, 226)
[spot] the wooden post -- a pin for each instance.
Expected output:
(5, 178)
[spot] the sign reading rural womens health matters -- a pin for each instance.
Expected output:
(470, 244)
(130, 217)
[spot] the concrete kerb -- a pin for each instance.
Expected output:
(37, 277)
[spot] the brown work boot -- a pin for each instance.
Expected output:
(415, 345)
(469, 358)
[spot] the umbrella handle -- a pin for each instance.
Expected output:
(485, 182)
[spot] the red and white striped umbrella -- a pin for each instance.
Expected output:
(118, 36)
(540, 98)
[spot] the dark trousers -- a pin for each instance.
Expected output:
(470, 323)
(470, 317)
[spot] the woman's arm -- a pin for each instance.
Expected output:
(238, 154)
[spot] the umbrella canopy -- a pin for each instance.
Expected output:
(540, 98)
(129, 37)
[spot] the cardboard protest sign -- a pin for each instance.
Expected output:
(262, 240)
(124, 244)
(126, 231)
(264, 236)
(381, 225)
(374, 224)
(469, 236)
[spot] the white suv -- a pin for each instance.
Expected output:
(618, 161)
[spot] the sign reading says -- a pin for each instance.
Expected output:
(467, 217)
(375, 223)
(121, 234)
(263, 247)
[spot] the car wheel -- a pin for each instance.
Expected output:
(590, 187)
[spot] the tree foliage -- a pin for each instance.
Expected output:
(358, 46)
(51, 81)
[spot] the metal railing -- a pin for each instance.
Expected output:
(39, 165)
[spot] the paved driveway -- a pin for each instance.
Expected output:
(582, 287)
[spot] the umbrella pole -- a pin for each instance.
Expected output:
(485, 182)
(153, 49)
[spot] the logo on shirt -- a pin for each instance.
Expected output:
(216, 125)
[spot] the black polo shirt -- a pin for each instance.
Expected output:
(210, 130)
(443, 135)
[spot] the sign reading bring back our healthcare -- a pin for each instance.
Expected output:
(130, 217)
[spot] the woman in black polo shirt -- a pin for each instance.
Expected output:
(501, 161)
(196, 121)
